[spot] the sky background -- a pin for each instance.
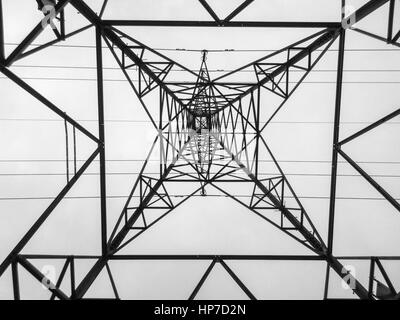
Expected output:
(32, 156)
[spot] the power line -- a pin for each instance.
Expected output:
(142, 160)
(156, 173)
(182, 70)
(231, 50)
(124, 80)
(183, 196)
(148, 121)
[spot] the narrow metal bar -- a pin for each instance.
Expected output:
(62, 25)
(210, 11)
(32, 35)
(40, 277)
(382, 191)
(374, 36)
(237, 280)
(238, 10)
(135, 257)
(230, 24)
(61, 277)
(101, 145)
(371, 278)
(103, 8)
(390, 21)
(368, 8)
(72, 276)
(385, 276)
(15, 278)
(45, 101)
(202, 280)
(90, 277)
(395, 38)
(135, 90)
(327, 278)
(336, 132)
(2, 54)
(223, 257)
(371, 127)
(112, 281)
(38, 223)
(50, 43)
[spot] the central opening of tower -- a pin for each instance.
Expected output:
(202, 119)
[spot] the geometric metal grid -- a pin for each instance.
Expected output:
(209, 135)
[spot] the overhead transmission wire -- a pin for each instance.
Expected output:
(156, 173)
(148, 121)
(231, 50)
(122, 80)
(182, 70)
(142, 160)
(184, 196)
(177, 70)
(201, 50)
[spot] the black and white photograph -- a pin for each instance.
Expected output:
(191, 156)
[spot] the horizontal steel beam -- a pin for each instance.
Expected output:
(136, 257)
(219, 257)
(222, 23)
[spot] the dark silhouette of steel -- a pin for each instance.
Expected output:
(336, 128)
(209, 134)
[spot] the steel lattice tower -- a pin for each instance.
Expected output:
(210, 135)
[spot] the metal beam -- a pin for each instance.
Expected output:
(368, 8)
(15, 279)
(336, 131)
(210, 11)
(322, 40)
(378, 188)
(40, 277)
(51, 43)
(46, 102)
(115, 39)
(149, 257)
(318, 245)
(237, 280)
(202, 280)
(101, 145)
(2, 54)
(238, 10)
(32, 35)
(39, 222)
(370, 127)
(229, 24)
